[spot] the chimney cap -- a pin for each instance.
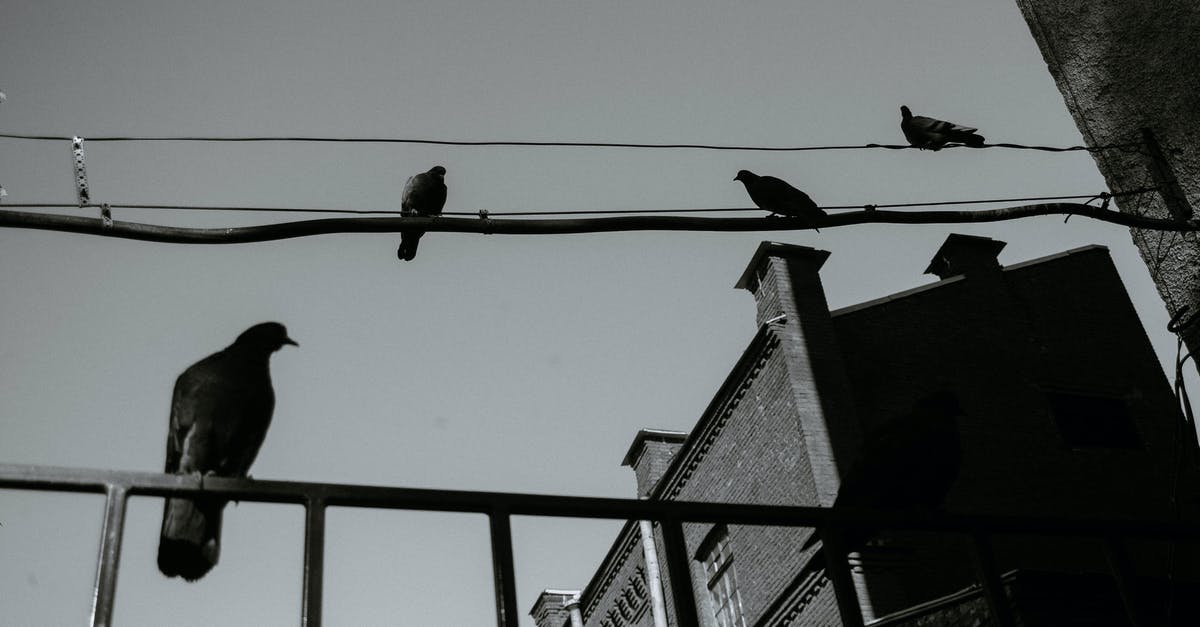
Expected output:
(560, 598)
(778, 249)
(650, 435)
(959, 251)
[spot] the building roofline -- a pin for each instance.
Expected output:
(608, 565)
(741, 369)
(867, 304)
(959, 277)
(654, 435)
(565, 593)
(1074, 251)
(555, 591)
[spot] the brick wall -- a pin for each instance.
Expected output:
(789, 420)
(1001, 340)
(619, 596)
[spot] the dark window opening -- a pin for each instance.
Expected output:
(1088, 421)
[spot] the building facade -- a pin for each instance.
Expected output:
(1060, 408)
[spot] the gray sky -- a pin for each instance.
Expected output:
(515, 363)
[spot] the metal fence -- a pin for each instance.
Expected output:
(499, 507)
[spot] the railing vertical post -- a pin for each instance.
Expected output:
(838, 570)
(679, 569)
(1123, 575)
(110, 555)
(314, 561)
(502, 566)
(989, 580)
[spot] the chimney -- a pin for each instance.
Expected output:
(965, 254)
(786, 282)
(552, 608)
(650, 454)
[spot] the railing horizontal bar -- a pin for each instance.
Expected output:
(523, 504)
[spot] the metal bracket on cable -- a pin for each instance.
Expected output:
(81, 184)
(106, 216)
(487, 222)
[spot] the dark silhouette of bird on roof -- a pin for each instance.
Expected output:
(908, 463)
(424, 195)
(777, 196)
(933, 134)
(220, 412)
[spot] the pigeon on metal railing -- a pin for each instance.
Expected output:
(777, 196)
(933, 134)
(220, 412)
(424, 195)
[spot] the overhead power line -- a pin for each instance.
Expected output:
(484, 224)
(552, 144)
(485, 213)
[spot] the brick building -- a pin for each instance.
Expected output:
(1063, 411)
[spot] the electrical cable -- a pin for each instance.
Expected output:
(549, 144)
(553, 213)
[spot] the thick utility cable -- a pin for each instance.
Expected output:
(940, 203)
(550, 144)
(487, 225)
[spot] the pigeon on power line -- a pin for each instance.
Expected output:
(911, 462)
(933, 134)
(424, 195)
(220, 411)
(777, 196)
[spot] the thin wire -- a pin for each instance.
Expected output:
(1178, 324)
(552, 144)
(557, 213)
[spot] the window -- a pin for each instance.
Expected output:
(722, 579)
(1090, 421)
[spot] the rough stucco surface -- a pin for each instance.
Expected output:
(1124, 65)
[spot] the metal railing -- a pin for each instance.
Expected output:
(117, 486)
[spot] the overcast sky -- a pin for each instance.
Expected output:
(515, 363)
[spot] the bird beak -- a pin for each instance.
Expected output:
(288, 340)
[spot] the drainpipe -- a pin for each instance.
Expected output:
(658, 606)
(572, 606)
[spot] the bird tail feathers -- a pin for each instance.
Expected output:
(189, 544)
(969, 138)
(408, 245)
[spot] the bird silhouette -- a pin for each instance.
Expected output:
(910, 462)
(220, 411)
(777, 196)
(424, 195)
(933, 134)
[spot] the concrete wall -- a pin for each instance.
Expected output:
(1123, 65)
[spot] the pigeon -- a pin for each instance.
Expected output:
(777, 196)
(910, 462)
(424, 195)
(220, 411)
(933, 134)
